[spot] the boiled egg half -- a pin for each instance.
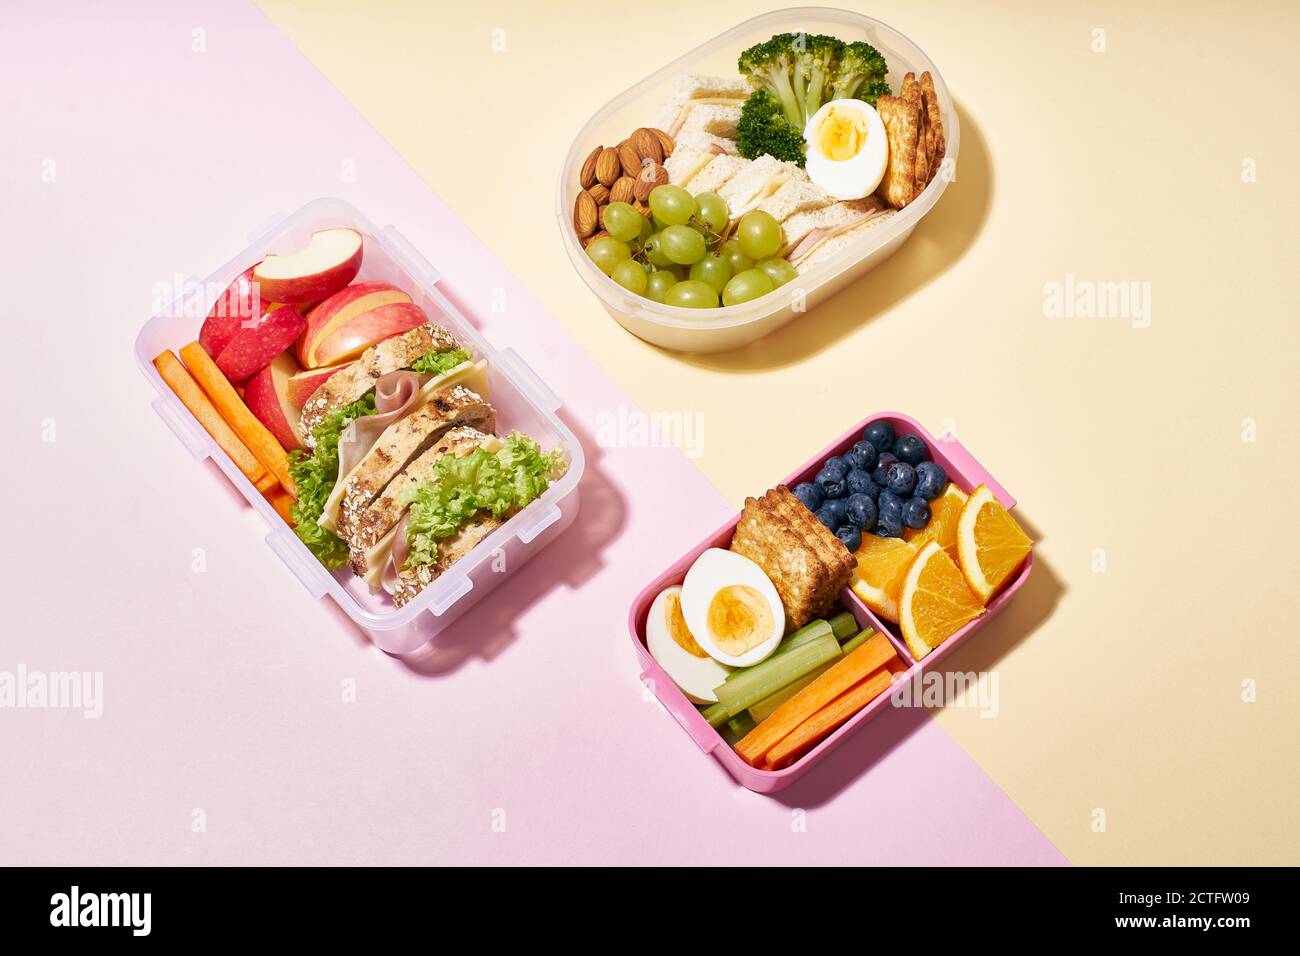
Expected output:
(676, 651)
(847, 149)
(731, 608)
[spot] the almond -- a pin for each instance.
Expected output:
(599, 193)
(607, 166)
(666, 144)
(585, 215)
(646, 145)
(622, 190)
(588, 174)
(653, 175)
(630, 160)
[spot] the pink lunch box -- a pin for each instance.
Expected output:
(963, 469)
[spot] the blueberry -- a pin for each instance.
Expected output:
(910, 449)
(880, 434)
(881, 474)
(862, 455)
(809, 494)
(830, 483)
(889, 525)
(930, 480)
(836, 466)
(901, 479)
(861, 511)
(839, 507)
(916, 513)
(859, 483)
(851, 536)
(826, 515)
(889, 503)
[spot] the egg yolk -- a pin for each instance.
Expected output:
(842, 134)
(739, 619)
(678, 630)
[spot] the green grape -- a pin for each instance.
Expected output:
(658, 284)
(712, 211)
(692, 294)
(654, 251)
(607, 252)
(630, 274)
(621, 221)
(778, 270)
(647, 230)
(759, 234)
(682, 244)
(712, 269)
(672, 205)
(735, 256)
(748, 285)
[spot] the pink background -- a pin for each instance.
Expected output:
(223, 690)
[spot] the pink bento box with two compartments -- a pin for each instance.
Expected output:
(963, 469)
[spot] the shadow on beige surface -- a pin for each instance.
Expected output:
(940, 240)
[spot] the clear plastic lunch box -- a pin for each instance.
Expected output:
(717, 330)
(521, 398)
(963, 469)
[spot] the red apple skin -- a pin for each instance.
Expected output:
(296, 290)
(302, 385)
(256, 344)
(352, 338)
(265, 397)
(240, 302)
(341, 308)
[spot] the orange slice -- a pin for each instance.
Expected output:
(944, 512)
(990, 545)
(879, 575)
(934, 602)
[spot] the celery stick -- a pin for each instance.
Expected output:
(757, 682)
(809, 632)
(763, 709)
(844, 625)
(853, 643)
(741, 724)
(715, 714)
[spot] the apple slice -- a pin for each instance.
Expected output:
(330, 260)
(351, 339)
(266, 397)
(256, 343)
(337, 311)
(302, 384)
(239, 303)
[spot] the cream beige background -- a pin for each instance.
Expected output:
(1154, 465)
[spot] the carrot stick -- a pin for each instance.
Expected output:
(252, 432)
(188, 391)
(820, 725)
(846, 672)
(896, 666)
(281, 501)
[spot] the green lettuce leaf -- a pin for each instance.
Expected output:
(461, 487)
(436, 363)
(316, 475)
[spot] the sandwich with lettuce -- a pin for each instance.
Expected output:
(405, 473)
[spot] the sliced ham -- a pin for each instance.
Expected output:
(395, 395)
(817, 236)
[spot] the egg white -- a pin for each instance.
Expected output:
(695, 676)
(853, 178)
(712, 571)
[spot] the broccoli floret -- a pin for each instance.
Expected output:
(770, 67)
(793, 75)
(818, 62)
(763, 128)
(859, 64)
(873, 90)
